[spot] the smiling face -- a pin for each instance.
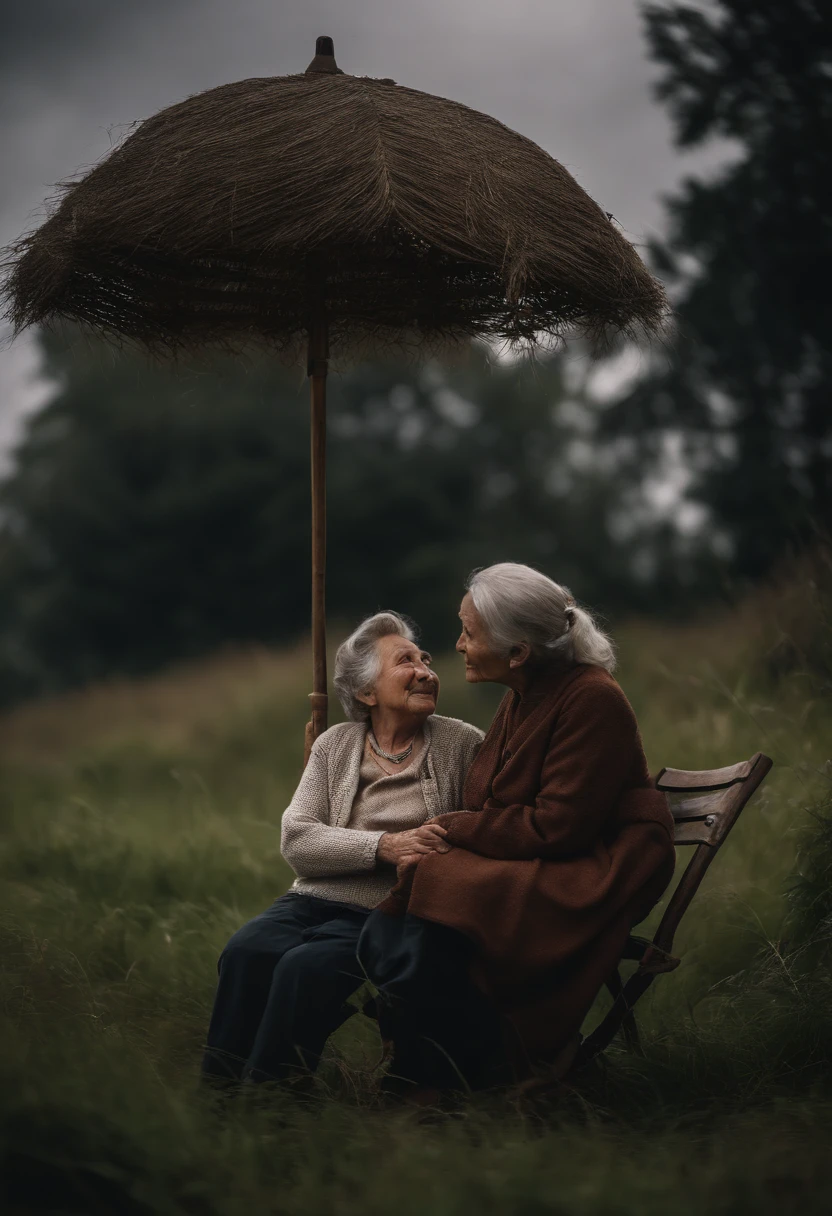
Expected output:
(481, 660)
(405, 685)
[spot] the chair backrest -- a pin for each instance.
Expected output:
(705, 806)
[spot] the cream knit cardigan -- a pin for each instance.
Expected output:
(334, 861)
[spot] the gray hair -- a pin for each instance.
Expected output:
(519, 604)
(357, 661)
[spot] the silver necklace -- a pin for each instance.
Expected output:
(395, 758)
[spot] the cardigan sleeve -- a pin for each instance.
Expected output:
(309, 843)
(587, 766)
(471, 744)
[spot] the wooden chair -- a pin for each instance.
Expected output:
(705, 807)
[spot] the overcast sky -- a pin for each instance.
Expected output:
(570, 74)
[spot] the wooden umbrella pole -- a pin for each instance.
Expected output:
(317, 372)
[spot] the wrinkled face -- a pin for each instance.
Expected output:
(481, 661)
(405, 684)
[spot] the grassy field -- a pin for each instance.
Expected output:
(140, 827)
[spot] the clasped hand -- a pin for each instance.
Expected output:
(404, 850)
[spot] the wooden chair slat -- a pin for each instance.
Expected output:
(698, 807)
(707, 779)
(697, 831)
(703, 819)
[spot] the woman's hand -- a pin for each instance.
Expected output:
(406, 864)
(393, 847)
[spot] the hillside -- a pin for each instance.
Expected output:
(140, 828)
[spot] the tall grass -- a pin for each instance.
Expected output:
(140, 827)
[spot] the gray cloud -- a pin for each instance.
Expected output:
(37, 31)
(40, 32)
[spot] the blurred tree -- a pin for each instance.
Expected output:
(749, 259)
(154, 515)
(145, 517)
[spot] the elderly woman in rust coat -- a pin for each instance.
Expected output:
(492, 953)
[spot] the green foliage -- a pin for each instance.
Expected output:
(810, 894)
(749, 259)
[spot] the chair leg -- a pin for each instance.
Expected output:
(629, 1029)
(631, 1036)
(603, 1035)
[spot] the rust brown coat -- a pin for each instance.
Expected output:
(570, 848)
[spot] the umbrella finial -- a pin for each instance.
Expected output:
(324, 60)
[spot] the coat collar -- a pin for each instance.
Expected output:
(545, 684)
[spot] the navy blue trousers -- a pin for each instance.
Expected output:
(446, 1033)
(283, 981)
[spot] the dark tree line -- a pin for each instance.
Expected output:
(155, 514)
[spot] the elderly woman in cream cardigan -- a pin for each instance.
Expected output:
(361, 809)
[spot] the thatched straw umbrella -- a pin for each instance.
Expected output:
(323, 209)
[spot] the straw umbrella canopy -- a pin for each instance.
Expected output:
(325, 209)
